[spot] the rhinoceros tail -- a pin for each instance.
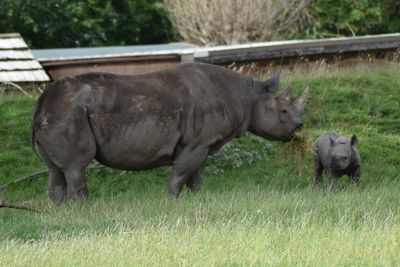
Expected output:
(35, 112)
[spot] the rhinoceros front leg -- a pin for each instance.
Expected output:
(187, 165)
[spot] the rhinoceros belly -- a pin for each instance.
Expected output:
(134, 144)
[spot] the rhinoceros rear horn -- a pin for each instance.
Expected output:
(272, 85)
(285, 94)
(301, 101)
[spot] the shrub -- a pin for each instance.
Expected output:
(221, 22)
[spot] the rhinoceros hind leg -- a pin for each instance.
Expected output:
(187, 165)
(70, 146)
(76, 182)
(57, 186)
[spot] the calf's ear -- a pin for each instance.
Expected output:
(272, 85)
(354, 140)
(302, 100)
(331, 141)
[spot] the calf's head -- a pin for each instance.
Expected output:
(342, 151)
(276, 117)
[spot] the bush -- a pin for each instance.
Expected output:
(222, 22)
(349, 17)
(77, 23)
(71, 23)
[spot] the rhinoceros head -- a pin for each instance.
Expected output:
(276, 117)
(341, 154)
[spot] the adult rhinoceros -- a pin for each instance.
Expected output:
(173, 117)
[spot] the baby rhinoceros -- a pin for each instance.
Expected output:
(338, 156)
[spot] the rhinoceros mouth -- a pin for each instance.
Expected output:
(293, 134)
(296, 135)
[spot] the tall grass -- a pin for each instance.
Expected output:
(254, 208)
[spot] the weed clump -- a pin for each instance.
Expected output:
(294, 152)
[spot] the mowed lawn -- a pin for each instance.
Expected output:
(256, 208)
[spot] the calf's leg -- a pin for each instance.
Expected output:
(318, 168)
(356, 177)
(332, 177)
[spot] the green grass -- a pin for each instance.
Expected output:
(254, 208)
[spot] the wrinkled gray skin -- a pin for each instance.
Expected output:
(338, 156)
(173, 117)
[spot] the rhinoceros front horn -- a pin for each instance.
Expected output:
(301, 101)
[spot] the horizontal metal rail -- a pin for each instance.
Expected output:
(282, 49)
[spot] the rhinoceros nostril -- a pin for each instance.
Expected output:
(300, 125)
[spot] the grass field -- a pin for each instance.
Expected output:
(255, 207)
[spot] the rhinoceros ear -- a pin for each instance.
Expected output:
(331, 141)
(302, 100)
(272, 84)
(354, 140)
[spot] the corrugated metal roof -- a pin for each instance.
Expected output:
(17, 63)
(110, 51)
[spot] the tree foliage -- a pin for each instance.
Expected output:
(350, 17)
(73, 23)
(77, 23)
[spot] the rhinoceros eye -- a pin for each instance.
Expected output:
(284, 111)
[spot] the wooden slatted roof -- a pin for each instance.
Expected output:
(17, 63)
